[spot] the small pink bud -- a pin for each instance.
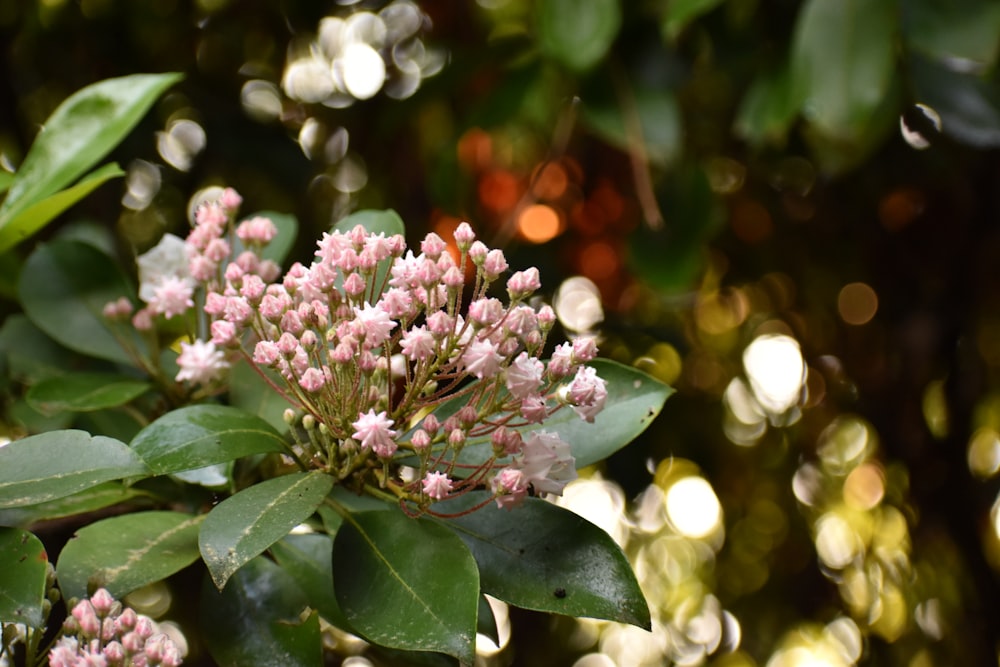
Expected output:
(132, 642)
(523, 283)
(478, 252)
(431, 425)
(126, 621)
(464, 236)
(494, 264)
(433, 245)
(230, 200)
(437, 485)
(83, 612)
(467, 416)
(546, 317)
(143, 319)
(456, 438)
(420, 440)
(114, 652)
(453, 278)
(144, 627)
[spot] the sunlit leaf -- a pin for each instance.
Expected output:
(843, 59)
(124, 553)
(634, 401)
(407, 583)
(950, 30)
(309, 559)
(257, 620)
(39, 214)
(52, 465)
(88, 500)
(543, 557)
(680, 13)
(64, 287)
(84, 392)
(23, 570)
(244, 525)
(202, 435)
(577, 33)
(81, 131)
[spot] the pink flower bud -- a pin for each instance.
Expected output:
(355, 285)
(126, 621)
(312, 380)
(433, 245)
(494, 264)
(464, 236)
(144, 627)
(223, 332)
(478, 252)
(546, 317)
(436, 485)
(420, 440)
(523, 283)
(230, 200)
(584, 349)
(90, 625)
(431, 425)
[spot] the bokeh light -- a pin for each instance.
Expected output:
(857, 303)
(776, 370)
(693, 508)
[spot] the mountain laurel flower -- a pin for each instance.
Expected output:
(587, 393)
(373, 431)
(437, 485)
(172, 296)
(200, 362)
(523, 284)
(524, 376)
(510, 486)
(546, 462)
(482, 359)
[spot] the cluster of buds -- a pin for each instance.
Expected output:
(99, 632)
(389, 356)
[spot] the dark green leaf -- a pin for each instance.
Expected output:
(968, 106)
(950, 30)
(257, 620)
(124, 553)
(243, 526)
(23, 569)
(84, 392)
(659, 120)
(202, 435)
(634, 400)
(6, 178)
(680, 13)
(768, 109)
(543, 557)
(53, 465)
(94, 498)
(77, 135)
(843, 58)
(577, 33)
(39, 214)
(249, 392)
(407, 583)
(32, 355)
(64, 287)
(309, 560)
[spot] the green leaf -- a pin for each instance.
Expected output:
(950, 30)
(768, 108)
(577, 33)
(257, 620)
(84, 392)
(53, 465)
(659, 119)
(124, 553)
(407, 583)
(89, 500)
(23, 569)
(968, 106)
(843, 59)
(249, 392)
(243, 526)
(634, 400)
(309, 560)
(543, 557)
(39, 214)
(6, 178)
(32, 355)
(64, 287)
(81, 131)
(682, 12)
(197, 436)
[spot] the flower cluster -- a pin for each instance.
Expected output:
(101, 633)
(390, 356)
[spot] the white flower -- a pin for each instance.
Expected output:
(200, 362)
(547, 463)
(167, 259)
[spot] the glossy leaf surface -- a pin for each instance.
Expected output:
(84, 392)
(76, 136)
(88, 500)
(256, 620)
(252, 394)
(309, 560)
(63, 288)
(577, 33)
(543, 557)
(126, 552)
(244, 525)
(23, 565)
(407, 583)
(53, 465)
(202, 435)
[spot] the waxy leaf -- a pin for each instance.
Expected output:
(202, 435)
(64, 286)
(249, 392)
(309, 559)
(126, 552)
(679, 13)
(243, 526)
(543, 557)
(94, 498)
(843, 57)
(634, 401)
(256, 620)
(81, 131)
(84, 392)
(23, 565)
(659, 119)
(577, 33)
(407, 583)
(31, 355)
(53, 465)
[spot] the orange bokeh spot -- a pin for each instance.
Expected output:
(598, 260)
(538, 223)
(549, 181)
(475, 149)
(900, 207)
(499, 190)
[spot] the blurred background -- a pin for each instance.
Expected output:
(789, 210)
